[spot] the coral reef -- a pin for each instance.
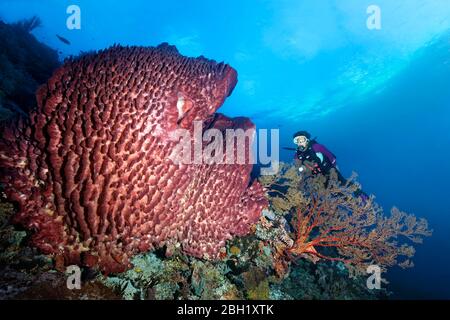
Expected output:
(154, 278)
(323, 281)
(26, 274)
(151, 278)
(210, 282)
(332, 223)
(25, 63)
(241, 276)
(13, 251)
(256, 284)
(90, 169)
(246, 271)
(50, 285)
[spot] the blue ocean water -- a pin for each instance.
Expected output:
(379, 99)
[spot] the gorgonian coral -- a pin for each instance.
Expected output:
(331, 223)
(90, 168)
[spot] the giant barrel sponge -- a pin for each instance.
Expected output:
(90, 169)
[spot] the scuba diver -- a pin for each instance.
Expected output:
(314, 156)
(317, 158)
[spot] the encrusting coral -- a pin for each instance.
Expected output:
(90, 168)
(332, 223)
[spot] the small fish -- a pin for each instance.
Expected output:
(64, 40)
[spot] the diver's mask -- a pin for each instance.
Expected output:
(302, 142)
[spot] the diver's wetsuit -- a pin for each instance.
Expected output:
(322, 161)
(321, 158)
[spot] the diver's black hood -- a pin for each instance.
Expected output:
(302, 133)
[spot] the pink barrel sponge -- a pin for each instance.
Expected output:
(90, 168)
